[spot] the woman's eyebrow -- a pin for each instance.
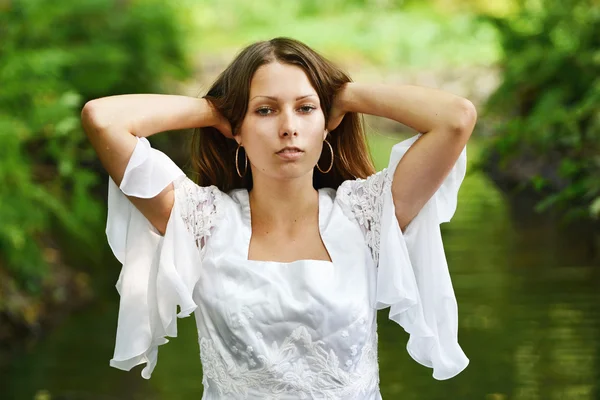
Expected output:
(277, 98)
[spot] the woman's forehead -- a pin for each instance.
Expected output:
(284, 81)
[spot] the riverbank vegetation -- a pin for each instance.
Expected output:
(55, 56)
(546, 110)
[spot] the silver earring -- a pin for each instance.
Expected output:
(245, 162)
(331, 164)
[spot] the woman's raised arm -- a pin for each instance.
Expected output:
(112, 124)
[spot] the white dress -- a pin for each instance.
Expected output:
(270, 330)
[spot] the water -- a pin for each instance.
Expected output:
(529, 310)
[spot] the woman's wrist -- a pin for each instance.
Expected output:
(215, 119)
(347, 99)
(211, 116)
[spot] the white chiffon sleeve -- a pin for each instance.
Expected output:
(159, 272)
(412, 273)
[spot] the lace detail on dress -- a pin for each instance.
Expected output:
(299, 367)
(363, 198)
(199, 207)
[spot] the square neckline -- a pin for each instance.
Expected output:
(247, 222)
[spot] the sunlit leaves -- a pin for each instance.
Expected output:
(55, 56)
(550, 95)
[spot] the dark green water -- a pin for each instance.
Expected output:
(529, 310)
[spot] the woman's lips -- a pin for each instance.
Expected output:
(290, 154)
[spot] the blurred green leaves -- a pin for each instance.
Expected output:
(550, 96)
(55, 56)
(386, 34)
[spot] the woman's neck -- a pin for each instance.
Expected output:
(283, 206)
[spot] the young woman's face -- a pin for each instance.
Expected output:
(283, 110)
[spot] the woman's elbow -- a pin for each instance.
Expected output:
(91, 119)
(465, 117)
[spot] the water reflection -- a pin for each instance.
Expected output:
(529, 321)
(528, 302)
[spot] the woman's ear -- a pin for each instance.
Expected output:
(325, 134)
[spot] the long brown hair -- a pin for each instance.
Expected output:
(213, 155)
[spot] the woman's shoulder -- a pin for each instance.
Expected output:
(210, 202)
(237, 195)
(361, 190)
(372, 181)
(212, 194)
(206, 208)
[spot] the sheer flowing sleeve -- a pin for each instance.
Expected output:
(413, 278)
(158, 272)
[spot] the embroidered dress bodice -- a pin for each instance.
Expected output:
(270, 330)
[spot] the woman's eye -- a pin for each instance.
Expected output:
(307, 109)
(259, 111)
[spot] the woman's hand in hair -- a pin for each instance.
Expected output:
(339, 107)
(224, 127)
(221, 123)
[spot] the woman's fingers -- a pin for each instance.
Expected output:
(225, 129)
(334, 121)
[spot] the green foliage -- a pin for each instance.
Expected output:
(551, 93)
(383, 33)
(55, 56)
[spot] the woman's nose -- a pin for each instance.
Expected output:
(288, 126)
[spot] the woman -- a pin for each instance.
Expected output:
(289, 242)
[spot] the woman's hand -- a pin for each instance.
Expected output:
(224, 127)
(220, 122)
(338, 108)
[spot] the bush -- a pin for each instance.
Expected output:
(551, 93)
(56, 56)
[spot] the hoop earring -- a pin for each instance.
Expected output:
(330, 165)
(236, 162)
